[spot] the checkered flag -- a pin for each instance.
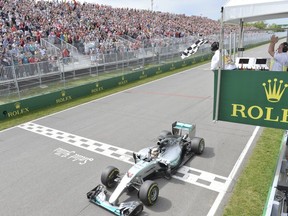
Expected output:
(193, 48)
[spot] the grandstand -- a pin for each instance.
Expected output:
(48, 41)
(88, 27)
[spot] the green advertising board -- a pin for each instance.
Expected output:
(252, 97)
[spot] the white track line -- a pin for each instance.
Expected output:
(236, 167)
(187, 174)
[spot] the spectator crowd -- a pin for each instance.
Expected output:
(87, 26)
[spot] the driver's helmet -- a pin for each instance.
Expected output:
(154, 152)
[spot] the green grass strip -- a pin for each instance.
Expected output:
(250, 193)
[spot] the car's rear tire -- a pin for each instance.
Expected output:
(197, 145)
(109, 175)
(149, 192)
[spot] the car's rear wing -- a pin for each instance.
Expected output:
(180, 128)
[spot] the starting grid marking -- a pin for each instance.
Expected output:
(187, 174)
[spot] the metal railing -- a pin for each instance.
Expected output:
(51, 49)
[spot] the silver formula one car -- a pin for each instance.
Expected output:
(174, 148)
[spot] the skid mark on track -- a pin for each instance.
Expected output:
(187, 174)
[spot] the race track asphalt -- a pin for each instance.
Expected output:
(47, 166)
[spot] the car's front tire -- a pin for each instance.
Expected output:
(149, 192)
(109, 175)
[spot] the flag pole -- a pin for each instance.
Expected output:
(220, 66)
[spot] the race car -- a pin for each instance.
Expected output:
(173, 149)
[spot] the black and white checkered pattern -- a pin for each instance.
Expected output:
(193, 48)
(187, 174)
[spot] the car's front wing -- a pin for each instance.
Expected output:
(98, 197)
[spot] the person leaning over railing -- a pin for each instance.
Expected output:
(280, 56)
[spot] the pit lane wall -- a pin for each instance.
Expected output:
(25, 106)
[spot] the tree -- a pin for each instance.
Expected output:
(274, 27)
(260, 25)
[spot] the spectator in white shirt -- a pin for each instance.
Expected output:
(280, 57)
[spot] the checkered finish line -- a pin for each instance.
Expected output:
(193, 48)
(187, 174)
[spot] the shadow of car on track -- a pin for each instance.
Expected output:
(208, 153)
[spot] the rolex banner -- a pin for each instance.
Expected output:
(252, 97)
